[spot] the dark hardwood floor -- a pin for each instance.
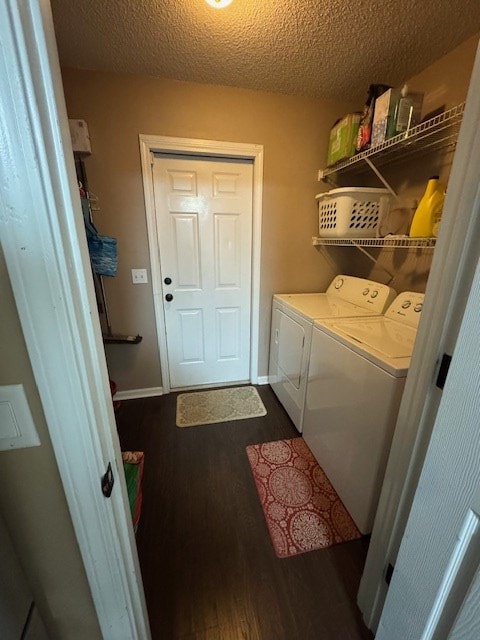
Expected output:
(208, 566)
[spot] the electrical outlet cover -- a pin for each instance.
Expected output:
(17, 429)
(139, 276)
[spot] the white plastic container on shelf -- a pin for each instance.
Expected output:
(351, 212)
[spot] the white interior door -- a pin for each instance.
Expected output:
(435, 589)
(204, 225)
(43, 240)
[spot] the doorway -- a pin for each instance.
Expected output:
(195, 241)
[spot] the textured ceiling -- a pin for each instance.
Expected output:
(321, 48)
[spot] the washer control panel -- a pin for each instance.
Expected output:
(406, 308)
(367, 294)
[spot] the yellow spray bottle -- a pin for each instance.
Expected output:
(429, 210)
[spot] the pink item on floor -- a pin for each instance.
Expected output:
(302, 509)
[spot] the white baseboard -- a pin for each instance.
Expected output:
(133, 394)
(150, 392)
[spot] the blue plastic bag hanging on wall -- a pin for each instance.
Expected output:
(103, 251)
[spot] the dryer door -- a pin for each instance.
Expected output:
(289, 352)
(291, 346)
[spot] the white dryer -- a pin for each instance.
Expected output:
(291, 332)
(356, 378)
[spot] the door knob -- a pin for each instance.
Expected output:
(168, 281)
(169, 297)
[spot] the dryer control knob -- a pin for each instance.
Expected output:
(406, 304)
(339, 283)
(366, 291)
(374, 293)
(418, 307)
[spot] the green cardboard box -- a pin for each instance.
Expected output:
(342, 138)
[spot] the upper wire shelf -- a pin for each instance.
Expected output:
(435, 133)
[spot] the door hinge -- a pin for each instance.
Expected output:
(108, 481)
(443, 370)
(389, 573)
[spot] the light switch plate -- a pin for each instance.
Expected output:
(17, 429)
(139, 276)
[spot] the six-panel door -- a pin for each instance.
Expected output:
(204, 225)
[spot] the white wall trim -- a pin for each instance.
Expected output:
(263, 380)
(45, 250)
(132, 394)
(150, 144)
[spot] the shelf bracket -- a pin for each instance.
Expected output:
(380, 177)
(326, 178)
(364, 251)
(374, 260)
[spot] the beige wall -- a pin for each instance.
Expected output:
(33, 504)
(445, 82)
(294, 133)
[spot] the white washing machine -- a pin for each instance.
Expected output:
(356, 378)
(292, 321)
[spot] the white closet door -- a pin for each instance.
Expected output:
(435, 589)
(204, 224)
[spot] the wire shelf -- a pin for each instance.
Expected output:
(438, 132)
(404, 242)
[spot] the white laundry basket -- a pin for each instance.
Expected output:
(351, 212)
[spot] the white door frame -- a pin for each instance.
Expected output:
(449, 283)
(47, 259)
(435, 592)
(149, 145)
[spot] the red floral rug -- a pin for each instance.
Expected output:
(302, 509)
